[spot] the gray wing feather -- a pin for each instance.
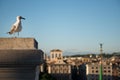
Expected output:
(13, 28)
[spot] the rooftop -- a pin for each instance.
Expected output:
(56, 50)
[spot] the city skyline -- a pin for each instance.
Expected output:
(68, 25)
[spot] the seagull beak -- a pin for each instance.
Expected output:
(22, 18)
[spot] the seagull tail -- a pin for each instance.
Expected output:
(9, 33)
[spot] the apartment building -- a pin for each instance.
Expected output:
(57, 67)
(93, 70)
(55, 54)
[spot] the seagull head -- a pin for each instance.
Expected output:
(20, 17)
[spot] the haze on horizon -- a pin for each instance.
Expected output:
(79, 25)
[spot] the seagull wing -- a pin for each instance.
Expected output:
(13, 28)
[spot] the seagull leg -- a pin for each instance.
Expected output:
(13, 35)
(18, 33)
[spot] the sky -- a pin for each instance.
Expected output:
(69, 25)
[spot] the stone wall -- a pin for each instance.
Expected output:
(18, 43)
(19, 59)
(17, 73)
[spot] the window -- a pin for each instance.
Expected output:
(61, 70)
(59, 55)
(52, 55)
(92, 67)
(109, 71)
(108, 67)
(104, 67)
(104, 71)
(96, 71)
(56, 55)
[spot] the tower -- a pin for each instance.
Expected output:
(55, 54)
(101, 50)
(100, 72)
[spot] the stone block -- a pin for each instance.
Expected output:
(18, 43)
(19, 59)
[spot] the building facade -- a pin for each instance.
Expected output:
(57, 67)
(116, 67)
(60, 70)
(55, 54)
(93, 70)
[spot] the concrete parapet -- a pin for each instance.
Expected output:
(18, 43)
(19, 59)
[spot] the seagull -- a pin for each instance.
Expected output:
(17, 26)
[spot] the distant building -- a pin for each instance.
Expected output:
(78, 68)
(57, 67)
(116, 67)
(78, 72)
(85, 59)
(116, 72)
(55, 54)
(60, 70)
(81, 68)
(93, 70)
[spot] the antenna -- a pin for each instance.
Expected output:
(101, 51)
(101, 71)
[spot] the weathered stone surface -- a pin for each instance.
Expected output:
(19, 59)
(17, 73)
(18, 43)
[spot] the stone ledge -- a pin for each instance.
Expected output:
(18, 43)
(18, 57)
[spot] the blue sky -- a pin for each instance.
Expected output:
(78, 25)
